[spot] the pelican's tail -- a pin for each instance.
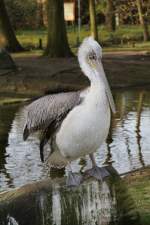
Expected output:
(56, 160)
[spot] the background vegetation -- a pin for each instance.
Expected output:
(121, 24)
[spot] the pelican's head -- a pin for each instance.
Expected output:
(89, 56)
(89, 53)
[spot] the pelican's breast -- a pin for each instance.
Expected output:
(86, 126)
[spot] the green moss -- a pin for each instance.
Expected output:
(139, 188)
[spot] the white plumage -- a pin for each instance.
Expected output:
(86, 127)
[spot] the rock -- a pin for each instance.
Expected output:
(6, 62)
(50, 202)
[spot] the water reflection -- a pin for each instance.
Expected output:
(127, 147)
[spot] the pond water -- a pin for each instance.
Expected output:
(127, 147)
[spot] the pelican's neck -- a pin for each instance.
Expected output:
(99, 84)
(93, 75)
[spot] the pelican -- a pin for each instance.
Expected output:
(75, 123)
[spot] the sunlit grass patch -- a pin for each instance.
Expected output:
(124, 38)
(6, 101)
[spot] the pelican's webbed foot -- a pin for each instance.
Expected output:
(98, 172)
(73, 179)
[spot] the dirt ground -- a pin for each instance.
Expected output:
(37, 75)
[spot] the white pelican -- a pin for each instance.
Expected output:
(76, 123)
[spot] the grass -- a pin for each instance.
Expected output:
(124, 38)
(139, 186)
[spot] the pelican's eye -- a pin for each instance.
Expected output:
(92, 56)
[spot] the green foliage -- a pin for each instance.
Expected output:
(128, 12)
(22, 13)
(126, 9)
(101, 6)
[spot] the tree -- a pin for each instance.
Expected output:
(22, 13)
(93, 23)
(40, 16)
(142, 20)
(57, 44)
(12, 42)
(110, 15)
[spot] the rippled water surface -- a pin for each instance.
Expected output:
(127, 147)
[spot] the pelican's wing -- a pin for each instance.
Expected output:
(47, 112)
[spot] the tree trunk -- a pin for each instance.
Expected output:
(110, 16)
(40, 19)
(57, 44)
(45, 19)
(142, 21)
(93, 24)
(12, 42)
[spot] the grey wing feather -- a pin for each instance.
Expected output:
(42, 112)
